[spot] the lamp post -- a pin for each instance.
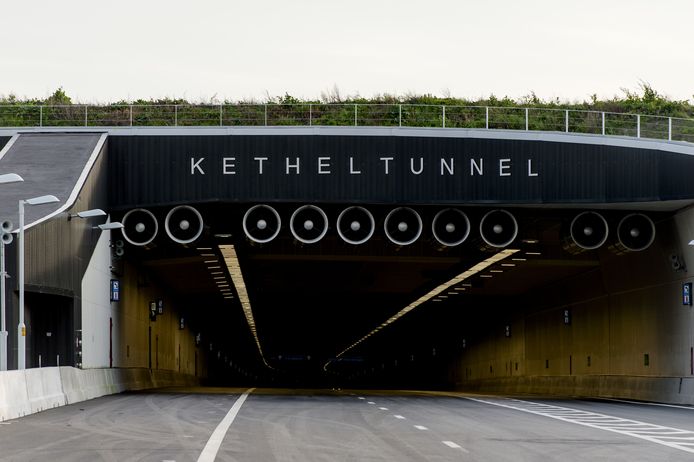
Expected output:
(21, 328)
(6, 237)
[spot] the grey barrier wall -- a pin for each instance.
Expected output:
(34, 390)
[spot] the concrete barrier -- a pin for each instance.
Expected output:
(14, 400)
(44, 389)
(34, 390)
(672, 390)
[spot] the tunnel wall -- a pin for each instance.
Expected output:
(630, 335)
(132, 326)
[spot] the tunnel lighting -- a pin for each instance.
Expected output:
(452, 293)
(460, 289)
(214, 267)
(519, 259)
(204, 248)
(533, 253)
(508, 264)
(486, 275)
(530, 241)
(211, 261)
(470, 272)
(217, 272)
(234, 267)
(496, 271)
(218, 277)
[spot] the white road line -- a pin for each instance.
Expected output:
(209, 452)
(383, 408)
(397, 416)
(420, 427)
(634, 428)
(361, 397)
(370, 402)
(453, 445)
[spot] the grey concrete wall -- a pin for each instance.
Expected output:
(137, 290)
(630, 307)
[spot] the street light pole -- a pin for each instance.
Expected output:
(21, 328)
(5, 237)
(3, 328)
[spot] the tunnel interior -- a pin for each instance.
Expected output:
(317, 306)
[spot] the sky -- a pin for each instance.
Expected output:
(215, 50)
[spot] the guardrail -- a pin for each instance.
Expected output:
(380, 115)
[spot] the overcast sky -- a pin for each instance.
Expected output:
(204, 49)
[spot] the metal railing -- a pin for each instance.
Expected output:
(361, 115)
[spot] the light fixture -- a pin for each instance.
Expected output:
(436, 292)
(87, 214)
(486, 275)
(496, 271)
(8, 178)
(234, 267)
(109, 226)
(533, 253)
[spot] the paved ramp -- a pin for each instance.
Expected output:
(50, 163)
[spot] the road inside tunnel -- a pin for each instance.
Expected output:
(316, 308)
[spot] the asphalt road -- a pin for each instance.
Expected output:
(308, 425)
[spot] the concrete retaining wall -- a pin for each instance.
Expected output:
(674, 390)
(34, 390)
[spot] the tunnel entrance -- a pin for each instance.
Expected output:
(330, 308)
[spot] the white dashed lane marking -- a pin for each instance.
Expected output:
(675, 438)
(383, 408)
(361, 397)
(371, 402)
(453, 445)
(420, 427)
(397, 416)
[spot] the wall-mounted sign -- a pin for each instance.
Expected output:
(160, 306)
(152, 311)
(567, 317)
(687, 293)
(115, 290)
